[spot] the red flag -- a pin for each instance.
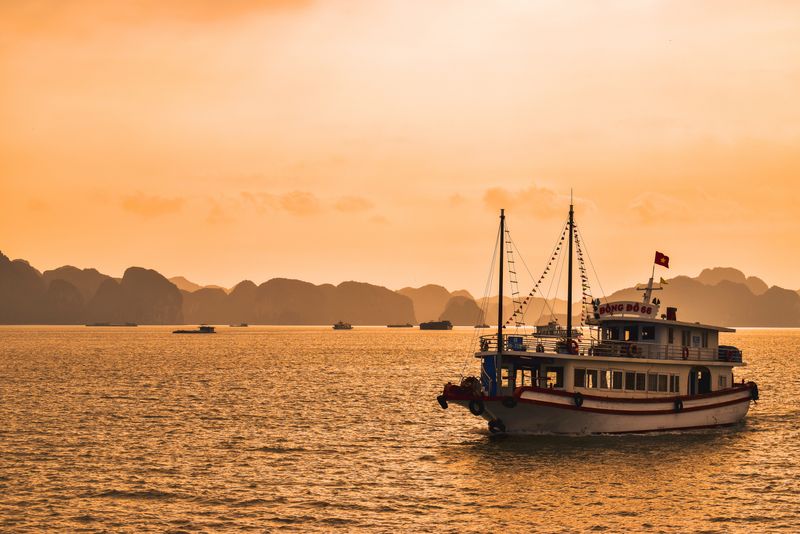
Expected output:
(662, 260)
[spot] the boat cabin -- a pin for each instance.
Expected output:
(625, 355)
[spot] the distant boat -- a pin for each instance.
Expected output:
(436, 325)
(407, 325)
(112, 324)
(203, 329)
(240, 325)
(484, 325)
(342, 326)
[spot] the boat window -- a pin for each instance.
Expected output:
(630, 333)
(616, 380)
(611, 333)
(705, 339)
(662, 382)
(674, 384)
(648, 333)
(555, 377)
(630, 380)
(604, 379)
(641, 381)
(580, 378)
(685, 338)
(591, 378)
(723, 382)
(505, 379)
(652, 382)
(524, 377)
(670, 335)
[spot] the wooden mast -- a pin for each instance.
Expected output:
(500, 278)
(569, 273)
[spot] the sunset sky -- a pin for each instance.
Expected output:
(375, 140)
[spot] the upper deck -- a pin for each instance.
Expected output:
(628, 338)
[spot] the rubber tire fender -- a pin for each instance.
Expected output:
(476, 407)
(509, 402)
(578, 398)
(678, 405)
(753, 391)
(496, 426)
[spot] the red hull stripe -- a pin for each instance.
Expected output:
(632, 412)
(520, 390)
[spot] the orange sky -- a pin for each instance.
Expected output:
(374, 140)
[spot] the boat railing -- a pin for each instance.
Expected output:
(530, 343)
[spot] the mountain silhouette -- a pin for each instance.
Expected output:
(69, 295)
(725, 297)
(87, 281)
(429, 301)
(143, 296)
(462, 311)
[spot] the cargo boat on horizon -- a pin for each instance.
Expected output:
(634, 372)
(436, 325)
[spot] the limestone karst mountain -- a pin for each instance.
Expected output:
(69, 295)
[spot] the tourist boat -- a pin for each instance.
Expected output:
(407, 325)
(484, 325)
(436, 325)
(342, 326)
(626, 369)
(202, 329)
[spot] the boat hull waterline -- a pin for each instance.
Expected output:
(544, 411)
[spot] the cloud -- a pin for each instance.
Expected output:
(151, 206)
(300, 203)
(535, 201)
(456, 200)
(83, 16)
(650, 207)
(353, 204)
(217, 214)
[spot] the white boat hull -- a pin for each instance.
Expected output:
(544, 412)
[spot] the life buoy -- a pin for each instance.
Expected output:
(678, 405)
(476, 407)
(442, 401)
(578, 398)
(573, 346)
(539, 347)
(685, 353)
(509, 402)
(496, 426)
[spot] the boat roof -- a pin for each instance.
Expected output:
(654, 320)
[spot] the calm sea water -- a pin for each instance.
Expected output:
(135, 429)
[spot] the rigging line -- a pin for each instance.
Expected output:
(485, 304)
(586, 248)
(558, 283)
(550, 258)
(556, 267)
(553, 259)
(516, 300)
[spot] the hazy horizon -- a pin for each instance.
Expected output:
(376, 142)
